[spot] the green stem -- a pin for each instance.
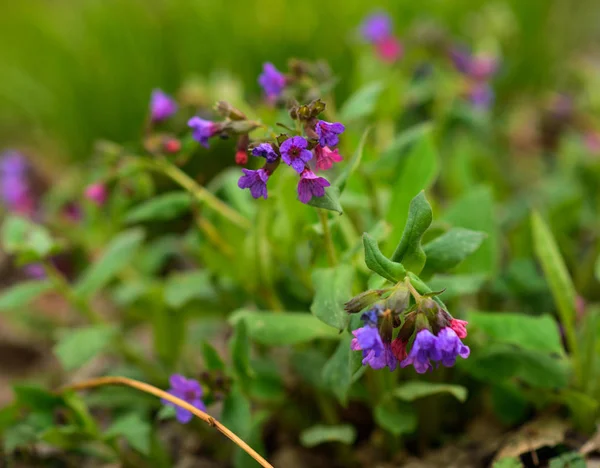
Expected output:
(329, 247)
(199, 192)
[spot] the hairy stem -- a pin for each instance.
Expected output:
(328, 240)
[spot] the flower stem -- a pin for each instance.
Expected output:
(329, 247)
(199, 192)
(144, 387)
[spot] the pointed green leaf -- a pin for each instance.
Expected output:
(212, 360)
(418, 172)
(182, 287)
(379, 263)
(236, 414)
(161, 208)
(134, 429)
(409, 251)
(276, 329)
(239, 347)
(362, 103)
(396, 416)
(333, 287)
(117, 255)
(597, 269)
(338, 370)
(80, 345)
(21, 294)
(320, 434)
(413, 390)
(330, 201)
(451, 248)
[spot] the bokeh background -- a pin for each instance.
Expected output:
(75, 71)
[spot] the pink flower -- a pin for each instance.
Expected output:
(389, 49)
(399, 349)
(326, 157)
(459, 327)
(96, 193)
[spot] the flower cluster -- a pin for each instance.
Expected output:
(426, 333)
(312, 151)
(478, 71)
(377, 29)
(15, 189)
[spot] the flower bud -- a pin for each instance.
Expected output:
(241, 157)
(228, 111)
(386, 326)
(428, 307)
(241, 126)
(363, 300)
(171, 145)
(398, 300)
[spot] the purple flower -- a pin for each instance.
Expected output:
(376, 27)
(188, 390)
(202, 130)
(256, 181)
(162, 106)
(272, 81)
(328, 132)
(14, 186)
(461, 58)
(370, 317)
(423, 349)
(266, 151)
(310, 186)
(450, 346)
(376, 353)
(294, 153)
(481, 95)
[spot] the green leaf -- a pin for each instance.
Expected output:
(168, 333)
(330, 201)
(362, 103)
(379, 263)
(353, 164)
(457, 285)
(413, 390)
(64, 437)
(118, 254)
(395, 416)
(448, 250)
(22, 236)
(134, 429)
(27, 431)
(409, 251)
(418, 173)
(236, 414)
(212, 360)
(320, 434)
(22, 294)
(476, 211)
(181, 288)
(239, 347)
(161, 208)
(80, 345)
(537, 333)
(338, 370)
(568, 460)
(333, 287)
(276, 329)
(556, 274)
(597, 269)
(36, 398)
(508, 462)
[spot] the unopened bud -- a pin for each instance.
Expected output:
(228, 111)
(398, 300)
(386, 326)
(363, 300)
(241, 126)
(241, 157)
(429, 307)
(171, 145)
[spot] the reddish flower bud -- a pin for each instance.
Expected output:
(459, 327)
(399, 349)
(241, 157)
(171, 146)
(96, 193)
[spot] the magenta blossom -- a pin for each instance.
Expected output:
(256, 181)
(310, 186)
(202, 130)
(389, 49)
(188, 390)
(459, 327)
(328, 132)
(294, 153)
(326, 157)
(162, 106)
(272, 81)
(96, 193)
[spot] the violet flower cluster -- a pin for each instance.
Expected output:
(427, 334)
(377, 29)
(188, 390)
(478, 71)
(15, 189)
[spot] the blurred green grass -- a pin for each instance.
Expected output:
(75, 71)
